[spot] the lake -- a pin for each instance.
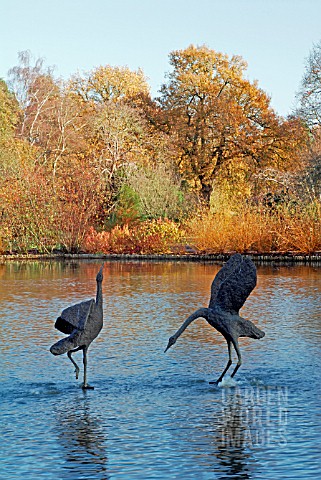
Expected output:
(154, 415)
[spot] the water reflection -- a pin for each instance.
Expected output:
(83, 439)
(232, 439)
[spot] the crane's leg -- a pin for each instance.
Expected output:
(73, 361)
(239, 357)
(229, 363)
(85, 385)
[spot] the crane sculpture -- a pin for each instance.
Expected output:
(230, 288)
(83, 322)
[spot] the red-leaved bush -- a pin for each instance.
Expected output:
(152, 236)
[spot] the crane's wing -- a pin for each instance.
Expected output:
(229, 267)
(74, 317)
(233, 284)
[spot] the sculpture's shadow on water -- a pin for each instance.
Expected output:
(81, 435)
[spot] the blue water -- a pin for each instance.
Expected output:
(154, 415)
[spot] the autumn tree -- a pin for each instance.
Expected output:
(108, 83)
(118, 132)
(309, 110)
(222, 121)
(34, 87)
(116, 126)
(9, 112)
(153, 192)
(309, 95)
(52, 119)
(54, 194)
(9, 117)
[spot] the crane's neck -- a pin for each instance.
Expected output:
(201, 312)
(99, 294)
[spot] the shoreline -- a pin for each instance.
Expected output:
(278, 258)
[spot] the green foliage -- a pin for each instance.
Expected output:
(157, 192)
(127, 209)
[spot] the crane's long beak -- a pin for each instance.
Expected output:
(168, 346)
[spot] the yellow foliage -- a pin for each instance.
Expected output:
(223, 233)
(107, 83)
(219, 117)
(299, 232)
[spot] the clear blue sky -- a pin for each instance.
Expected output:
(273, 36)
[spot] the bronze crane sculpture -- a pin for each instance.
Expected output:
(82, 322)
(230, 288)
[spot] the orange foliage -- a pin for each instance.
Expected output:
(221, 119)
(246, 231)
(67, 149)
(155, 236)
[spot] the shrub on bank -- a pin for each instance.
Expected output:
(258, 230)
(152, 236)
(246, 231)
(300, 231)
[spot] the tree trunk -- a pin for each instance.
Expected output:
(206, 192)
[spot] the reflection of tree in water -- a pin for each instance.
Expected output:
(84, 442)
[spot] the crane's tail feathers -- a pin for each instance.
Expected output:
(65, 344)
(248, 329)
(259, 333)
(256, 333)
